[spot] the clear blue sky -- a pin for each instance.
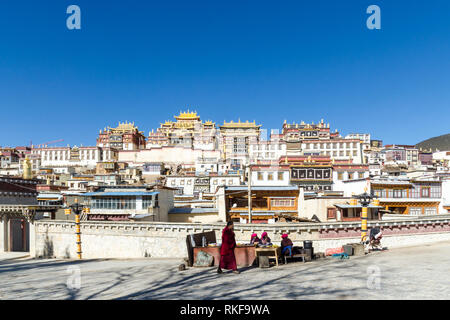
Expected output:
(268, 61)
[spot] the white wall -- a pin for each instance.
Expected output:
(174, 155)
(445, 200)
(350, 187)
(266, 182)
(168, 240)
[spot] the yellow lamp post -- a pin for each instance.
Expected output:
(77, 209)
(364, 199)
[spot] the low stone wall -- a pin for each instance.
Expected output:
(168, 240)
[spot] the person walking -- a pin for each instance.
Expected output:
(227, 257)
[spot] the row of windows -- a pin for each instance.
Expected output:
(260, 155)
(57, 156)
(122, 203)
(113, 203)
(189, 182)
(334, 145)
(270, 176)
(342, 153)
(417, 211)
(268, 147)
(417, 192)
(351, 175)
(287, 202)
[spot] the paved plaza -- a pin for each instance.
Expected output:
(404, 273)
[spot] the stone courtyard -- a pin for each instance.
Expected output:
(403, 273)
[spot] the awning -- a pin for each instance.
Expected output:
(119, 194)
(141, 216)
(349, 206)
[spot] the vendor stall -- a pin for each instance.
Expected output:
(245, 254)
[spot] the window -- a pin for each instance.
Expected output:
(280, 175)
(260, 176)
(350, 175)
(360, 175)
(282, 202)
(331, 213)
(425, 192)
(340, 176)
(397, 193)
(146, 202)
(380, 193)
(270, 176)
(430, 211)
(415, 211)
(117, 203)
(156, 201)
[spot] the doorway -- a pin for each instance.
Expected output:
(19, 235)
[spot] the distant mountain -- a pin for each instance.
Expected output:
(441, 143)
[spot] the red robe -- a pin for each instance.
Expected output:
(227, 258)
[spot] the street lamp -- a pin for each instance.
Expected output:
(364, 199)
(76, 208)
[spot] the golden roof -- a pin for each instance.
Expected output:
(240, 124)
(187, 116)
(123, 127)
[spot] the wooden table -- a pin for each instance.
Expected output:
(270, 252)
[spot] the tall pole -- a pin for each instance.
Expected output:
(78, 233)
(249, 194)
(364, 199)
(364, 223)
(77, 209)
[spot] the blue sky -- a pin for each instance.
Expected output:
(268, 61)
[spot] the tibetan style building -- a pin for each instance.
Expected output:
(408, 196)
(316, 139)
(235, 141)
(269, 203)
(312, 173)
(125, 136)
(188, 131)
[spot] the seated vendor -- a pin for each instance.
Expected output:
(286, 245)
(265, 240)
(254, 239)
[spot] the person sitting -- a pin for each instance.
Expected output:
(286, 245)
(265, 240)
(254, 239)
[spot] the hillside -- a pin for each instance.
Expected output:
(441, 143)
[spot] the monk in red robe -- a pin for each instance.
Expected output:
(227, 258)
